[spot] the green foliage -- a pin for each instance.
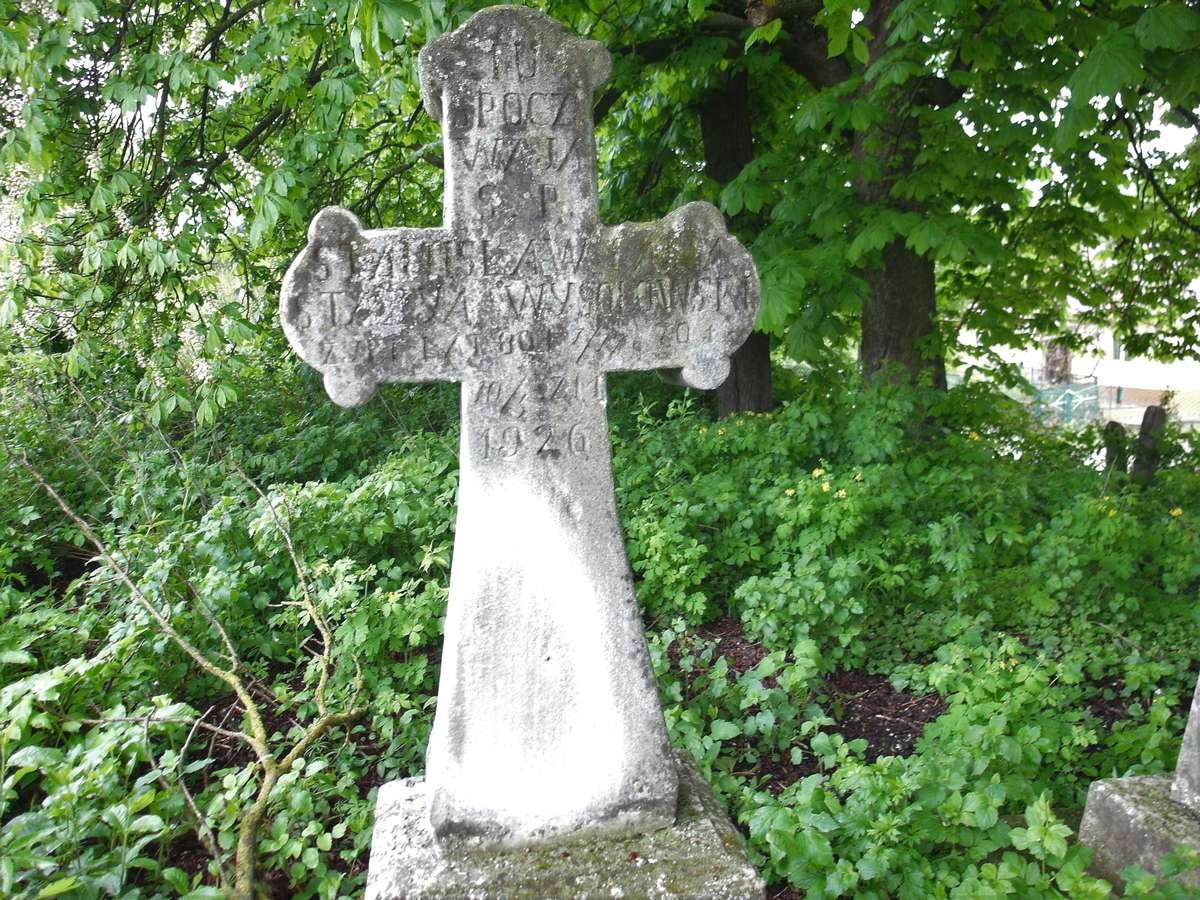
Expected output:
(1006, 142)
(979, 561)
(940, 539)
(162, 165)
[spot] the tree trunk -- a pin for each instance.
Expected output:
(1056, 363)
(899, 318)
(899, 313)
(748, 387)
(728, 147)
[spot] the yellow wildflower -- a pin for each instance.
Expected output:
(703, 429)
(817, 473)
(1112, 513)
(858, 476)
(720, 431)
(1177, 512)
(791, 492)
(841, 495)
(825, 487)
(974, 435)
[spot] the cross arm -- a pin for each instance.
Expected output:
(365, 307)
(691, 296)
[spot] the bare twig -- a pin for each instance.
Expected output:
(270, 766)
(309, 606)
(207, 838)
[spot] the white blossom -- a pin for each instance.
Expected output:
(66, 323)
(16, 181)
(14, 104)
(162, 230)
(191, 359)
(193, 41)
(245, 169)
(45, 9)
(123, 220)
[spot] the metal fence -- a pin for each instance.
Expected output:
(1074, 402)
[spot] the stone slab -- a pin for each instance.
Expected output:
(1134, 822)
(702, 857)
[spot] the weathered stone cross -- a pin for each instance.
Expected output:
(548, 722)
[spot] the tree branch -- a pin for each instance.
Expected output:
(1148, 172)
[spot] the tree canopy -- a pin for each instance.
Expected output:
(909, 170)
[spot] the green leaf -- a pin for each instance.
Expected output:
(1172, 26)
(61, 886)
(1113, 64)
(839, 36)
(765, 33)
(723, 730)
(146, 824)
(874, 236)
(859, 48)
(10, 310)
(395, 16)
(177, 879)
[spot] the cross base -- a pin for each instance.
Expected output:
(701, 856)
(1134, 822)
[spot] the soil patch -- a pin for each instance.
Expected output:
(783, 892)
(187, 853)
(743, 654)
(864, 705)
(1107, 704)
(867, 706)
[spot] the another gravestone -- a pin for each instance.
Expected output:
(1148, 453)
(1136, 821)
(1116, 447)
(548, 723)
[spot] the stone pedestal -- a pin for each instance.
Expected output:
(1134, 822)
(701, 857)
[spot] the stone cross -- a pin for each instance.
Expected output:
(548, 720)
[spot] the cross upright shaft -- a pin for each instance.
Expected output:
(548, 720)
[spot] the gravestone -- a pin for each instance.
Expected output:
(1116, 447)
(1136, 821)
(1148, 453)
(548, 723)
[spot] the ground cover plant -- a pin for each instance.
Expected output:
(901, 631)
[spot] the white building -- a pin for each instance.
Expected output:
(1120, 386)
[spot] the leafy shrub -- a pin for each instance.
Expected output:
(940, 539)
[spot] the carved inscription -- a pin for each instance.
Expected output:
(546, 440)
(515, 397)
